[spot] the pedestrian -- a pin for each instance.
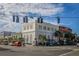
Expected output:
(23, 44)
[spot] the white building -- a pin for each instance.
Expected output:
(33, 29)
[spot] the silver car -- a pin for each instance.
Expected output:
(77, 44)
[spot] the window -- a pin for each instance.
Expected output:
(48, 29)
(24, 27)
(31, 36)
(27, 27)
(31, 27)
(52, 29)
(44, 27)
(40, 27)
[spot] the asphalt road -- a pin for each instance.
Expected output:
(39, 51)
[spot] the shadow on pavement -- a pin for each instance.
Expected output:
(3, 49)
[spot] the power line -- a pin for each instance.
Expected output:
(65, 17)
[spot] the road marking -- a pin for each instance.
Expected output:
(66, 53)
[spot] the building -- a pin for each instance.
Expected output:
(65, 29)
(33, 29)
(17, 35)
(5, 34)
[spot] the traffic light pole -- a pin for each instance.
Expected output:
(58, 22)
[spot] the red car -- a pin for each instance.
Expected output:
(18, 43)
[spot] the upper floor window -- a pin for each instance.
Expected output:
(27, 27)
(44, 27)
(24, 27)
(52, 29)
(48, 29)
(31, 27)
(40, 27)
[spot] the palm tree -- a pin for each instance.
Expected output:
(70, 37)
(59, 34)
(43, 39)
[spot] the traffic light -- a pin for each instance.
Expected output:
(17, 19)
(58, 20)
(13, 18)
(25, 19)
(40, 20)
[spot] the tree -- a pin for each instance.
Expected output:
(70, 38)
(43, 39)
(59, 35)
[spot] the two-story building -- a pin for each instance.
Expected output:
(31, 30)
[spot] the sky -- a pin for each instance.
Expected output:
(68, 13)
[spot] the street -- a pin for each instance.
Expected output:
(39, 51)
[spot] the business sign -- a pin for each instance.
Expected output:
(64, 29)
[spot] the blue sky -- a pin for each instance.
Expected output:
(69, 17)
(71, 10)
(47, 11)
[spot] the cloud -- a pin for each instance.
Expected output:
(43, 9)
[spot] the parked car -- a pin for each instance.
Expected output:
(10, 44)
(77, 44)
(51, 42)
(18, 43)
(5, 42)
(15, 43)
